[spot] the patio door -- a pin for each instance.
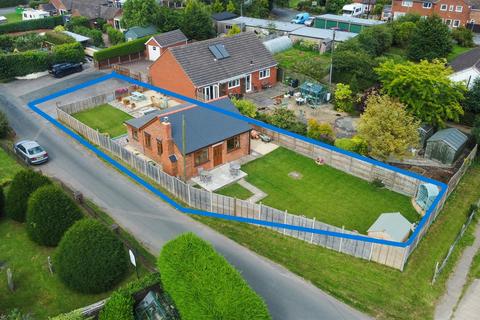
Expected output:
(248, 83)
(217, 155)
(211, 92)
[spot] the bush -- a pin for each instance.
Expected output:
(204, 285)
(68, 52)
(306, 45)
(90, 258)
(6, 43)
(115, 36)
(344, 100)
(121, 49)
(58, 37)
(286, 119)
(320, 131)
(463, 37)
(476, 129)
(23, 63)
(23, 185)
(28, 41)
(94, 34)
(12, 3)
(4, 128)
(74, 315)
(50, 213)
(79, 21)
(245, 107)
(2, 202)
(375, 40)
(355, 144)
(36, 3)
(47, 23)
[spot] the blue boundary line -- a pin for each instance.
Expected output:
(33, 105)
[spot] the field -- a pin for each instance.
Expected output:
(329, 195)
(104, 118)
(378, 290)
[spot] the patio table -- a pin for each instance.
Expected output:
(234, 169)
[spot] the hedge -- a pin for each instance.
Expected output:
(90, 258)
(46, 23)
(121, 49)
(12, 3)
(24, 183)
(68, 52)
(2, 202)
(204, 285)
(58, 37)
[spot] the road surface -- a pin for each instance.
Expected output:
(153, 222)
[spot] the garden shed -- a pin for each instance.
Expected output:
(425, 131)
(446, 145)
(426, 194)
(391, 226)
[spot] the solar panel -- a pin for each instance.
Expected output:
(222, 50)
(216, 53)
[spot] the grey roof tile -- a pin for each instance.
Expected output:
(170, 37)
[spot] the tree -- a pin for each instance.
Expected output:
(320, 131)
(463, 37)
(231, 6)
(476, 129)
(235, 29)
(2, 202)
(23, 185)
(430, 40)
(168, 19)
(90, 258)
(196, 21)
(50, 213)
(286, 119)
(472, 98)
(217, 6)
(115, 36)
(375, 40)
(403, 32)
(424, 88)
(245, 107)
(388, 128)
(4, 128)
(354, 64)
(259, 9)
(335, 6)
(355, 144)
(344, 98)
(139, 13)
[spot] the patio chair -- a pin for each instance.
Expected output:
(233, 169)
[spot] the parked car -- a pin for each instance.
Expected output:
(64, 69)
(30, 151)
(300, 18)
(309, 22)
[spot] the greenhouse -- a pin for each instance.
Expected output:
(278, 44)
(446, 145)
(314, 93)
(426, 194)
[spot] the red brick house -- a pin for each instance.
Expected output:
(214, 68)
(211, 138)
(109, 11)
(158, 44)
(454, 13)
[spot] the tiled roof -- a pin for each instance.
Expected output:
(170, 37)
(223, 16)
(247, 54)
(140, 32)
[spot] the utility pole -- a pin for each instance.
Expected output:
(184, 147)
(331, 57)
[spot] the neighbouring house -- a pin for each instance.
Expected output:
(134, 33)
(387, 14)
(474, 22)
(446, 145)
(110, 11)
(48, 7)
(391, 226)
(222, 16)
(454, 13)
(214, 68)
(31, 14)
(258, 26)
(156, 45)
(211, 138)
(341, 23)
(466, 67)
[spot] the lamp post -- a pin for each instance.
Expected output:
(331, 56)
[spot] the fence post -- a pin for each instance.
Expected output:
(313, 227)
(341, 240)
(285, 222)
(211, 201)
(259, 210)
(173, 185)
(371, 252)
(189, 196)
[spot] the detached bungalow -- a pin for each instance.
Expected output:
(156, 45)
(214, 68)
(211, 138)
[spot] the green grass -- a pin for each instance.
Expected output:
(330, 195)
(235, 190)
(13, 17)
(457, 50)
(104, 118)
(288, 58)
(378, 290)
(8, 167)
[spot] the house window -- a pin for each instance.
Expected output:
(427, 5)
(443, 7)
(407, 3)
(148, 142)
(229, 26)
(451, 7)
(448, 22)
(159, 147)
(265, 73)
(233, 143)
(135, 134)
(200, 157)
(456, 23)
(234, 83)
(459, 8)
(154, 48)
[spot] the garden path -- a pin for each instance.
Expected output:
(257, 193)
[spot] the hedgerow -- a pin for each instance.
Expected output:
(12, 3)
(68, 52)
(90, 258)
(204, 285)
(23, 185)
(58, 37)
(2, 202)
(46, 23)
(50, 213)
(121, 49)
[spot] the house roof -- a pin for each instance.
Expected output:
(316, 33)
(203, 127)
(140, 32)
(223, 16)
(467, 60)
(394, 224)
(247, 54)
(265, 24)
(364, 22)
(170, 37)
(47, 7)
(451, 136)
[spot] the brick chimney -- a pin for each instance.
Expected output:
(168, 147)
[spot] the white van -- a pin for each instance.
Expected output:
(353, 10)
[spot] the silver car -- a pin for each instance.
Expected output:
(31, 152)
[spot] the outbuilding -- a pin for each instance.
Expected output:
(134, 33)
(426, 194)
(157, 44)
(349, 24)
(446, 145)
(391, 226)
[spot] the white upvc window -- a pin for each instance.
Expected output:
(456, 23)
(427, 5)
(443, 7)
(407, 3)
(233, 83)
(452, 7)
(459, 8)
(265, 73)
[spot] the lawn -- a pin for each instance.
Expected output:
(329, 195)
(378, 290)
(104, 118)
(8, 167)
(287, 59)
(13, 17)
(235, 190)
(457, 50)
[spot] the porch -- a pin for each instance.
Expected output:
(219, 177)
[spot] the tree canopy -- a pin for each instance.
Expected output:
(196, 21)
(472, 98)
(139, 13)
(430, 40)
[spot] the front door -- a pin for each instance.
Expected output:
(248, 83)
(217, 155)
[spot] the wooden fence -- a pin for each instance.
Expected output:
(107, 63)
(392, 256)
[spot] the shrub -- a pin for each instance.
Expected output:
(204, 285)
(344, 98)
(355, 144)
(6, 43)
(78, 21)
(121, 49)
(2, 202)
(68, 52)
(375, 40)
(114, 36)
(47, 23)
(59, 29)
(12, 3)
(36, 3)
(245, 107)
(58, 37)
(320, 131)
(306, 45)
(4, 128)
(89, 258)
(29, 41)
(463, 37)
(23, 63)
(74, 315)
(50, 213)
(286, 119)
(94, 34)
(23, 185)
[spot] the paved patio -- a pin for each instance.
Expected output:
(221, 177)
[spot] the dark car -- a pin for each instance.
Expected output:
(64, 69)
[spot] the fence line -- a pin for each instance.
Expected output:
(392, 256)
